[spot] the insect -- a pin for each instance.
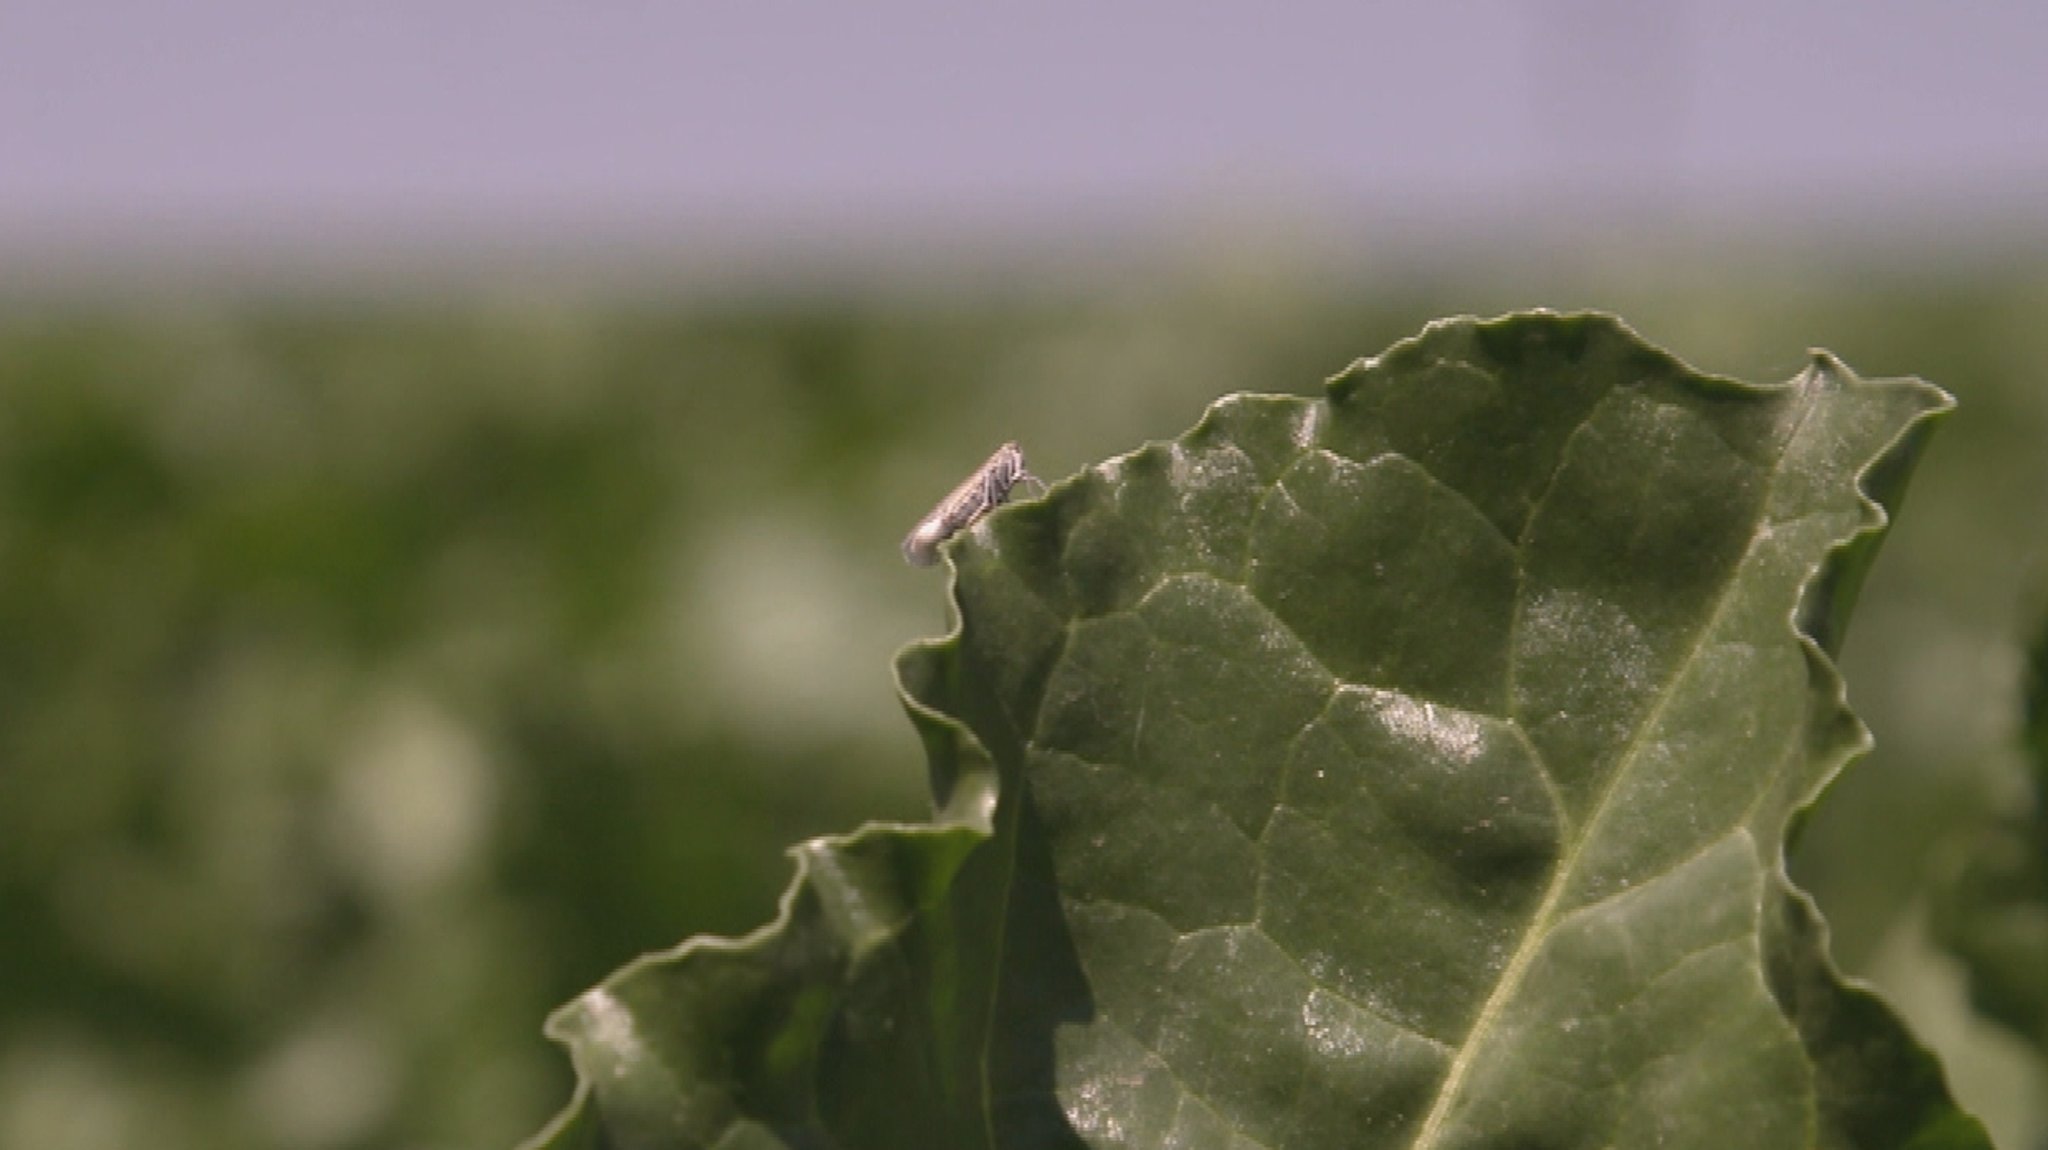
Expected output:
(977, 495)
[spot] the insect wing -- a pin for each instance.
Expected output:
(981, 492)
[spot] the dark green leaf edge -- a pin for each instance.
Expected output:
(830, 922)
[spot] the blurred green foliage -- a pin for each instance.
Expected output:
(1994, 913)
(373, 678)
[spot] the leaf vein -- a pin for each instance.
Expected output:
(1540, 924)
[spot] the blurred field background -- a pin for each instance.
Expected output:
(404, 622)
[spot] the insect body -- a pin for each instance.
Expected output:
(977, 495)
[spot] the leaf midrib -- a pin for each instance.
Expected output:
(1541, 922)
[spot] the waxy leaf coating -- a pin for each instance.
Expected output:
(1406, 768)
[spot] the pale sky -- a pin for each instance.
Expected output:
(520, 118)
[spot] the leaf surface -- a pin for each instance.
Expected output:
(1406, 768)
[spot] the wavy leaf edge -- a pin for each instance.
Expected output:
(966, 796)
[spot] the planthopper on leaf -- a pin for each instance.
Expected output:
(977, 495)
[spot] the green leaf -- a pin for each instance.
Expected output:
(1406, 768)
(1994, 914)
